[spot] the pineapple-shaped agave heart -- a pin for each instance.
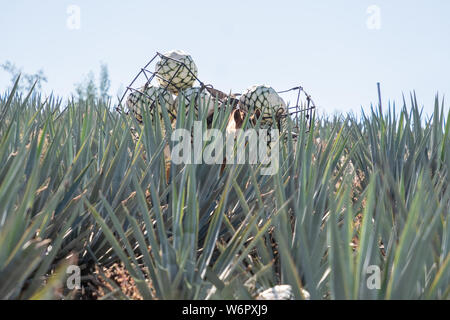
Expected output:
(176, 70)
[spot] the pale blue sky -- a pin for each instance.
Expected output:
(324, 45)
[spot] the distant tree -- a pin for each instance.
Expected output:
(88, 89)
(27, 80)
(105, 83)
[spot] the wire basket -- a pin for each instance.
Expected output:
(303, 109)
(146, 76)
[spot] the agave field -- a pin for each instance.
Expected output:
(359, 208)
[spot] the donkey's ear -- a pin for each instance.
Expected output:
(238, 118)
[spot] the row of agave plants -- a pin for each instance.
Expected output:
(81, 184)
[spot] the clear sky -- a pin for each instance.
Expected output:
(337, 50)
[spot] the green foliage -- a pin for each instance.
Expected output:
(88, 186)
(104, 82)
(89, 90)
(27, 80)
